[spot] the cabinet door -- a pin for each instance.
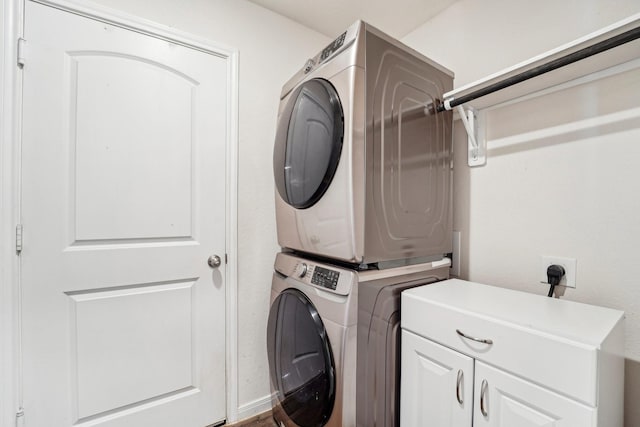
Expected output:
(504, 400)
(436, 384)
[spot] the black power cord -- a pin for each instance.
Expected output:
(555, 273)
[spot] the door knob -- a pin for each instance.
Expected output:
(214, 261)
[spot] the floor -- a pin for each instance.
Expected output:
(261, 420)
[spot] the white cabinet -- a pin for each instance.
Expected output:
(484, 356)
(438, 386)
(510, 401)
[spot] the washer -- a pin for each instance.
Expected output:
(362, 159)
(318, 335)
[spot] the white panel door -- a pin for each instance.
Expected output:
(509, 401)
(123, 178)
(436, 384)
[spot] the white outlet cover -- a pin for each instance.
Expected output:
(569, 265)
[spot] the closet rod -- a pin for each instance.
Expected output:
(583, 53)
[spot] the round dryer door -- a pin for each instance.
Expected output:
(308, 143)
(300, 360)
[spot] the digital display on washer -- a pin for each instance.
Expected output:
(325, 278)
(337, 44)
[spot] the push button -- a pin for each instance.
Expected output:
(325, 278)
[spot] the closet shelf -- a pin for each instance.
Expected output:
(597, 44)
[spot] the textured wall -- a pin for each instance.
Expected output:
(561, 177)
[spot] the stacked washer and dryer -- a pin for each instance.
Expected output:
(362, 166)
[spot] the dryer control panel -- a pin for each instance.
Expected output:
(333, 47)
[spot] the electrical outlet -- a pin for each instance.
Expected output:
(569, 265)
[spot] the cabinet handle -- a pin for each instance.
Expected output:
(482, 340)
(459, 381)
(483, 397)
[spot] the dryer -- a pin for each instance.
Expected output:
(323, 321)
(362, 159)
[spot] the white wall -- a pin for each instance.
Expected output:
(8, 213)
(272, 48)
(6, 389)
(561, 177)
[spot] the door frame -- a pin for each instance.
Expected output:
(12, 17)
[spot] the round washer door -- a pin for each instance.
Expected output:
(301, 363)
(308, 143)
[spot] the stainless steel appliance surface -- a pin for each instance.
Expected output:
(362, 159)
(333, 343)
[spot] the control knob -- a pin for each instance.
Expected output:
(301, 270)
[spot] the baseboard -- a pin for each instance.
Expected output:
(255, 407)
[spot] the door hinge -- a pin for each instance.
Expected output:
(226, 259)
(18, 238)
(21, 43)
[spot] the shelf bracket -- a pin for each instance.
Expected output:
(473, 122)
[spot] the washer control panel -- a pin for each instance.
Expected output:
(325, 278)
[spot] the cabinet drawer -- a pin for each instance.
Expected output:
(560, 363)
